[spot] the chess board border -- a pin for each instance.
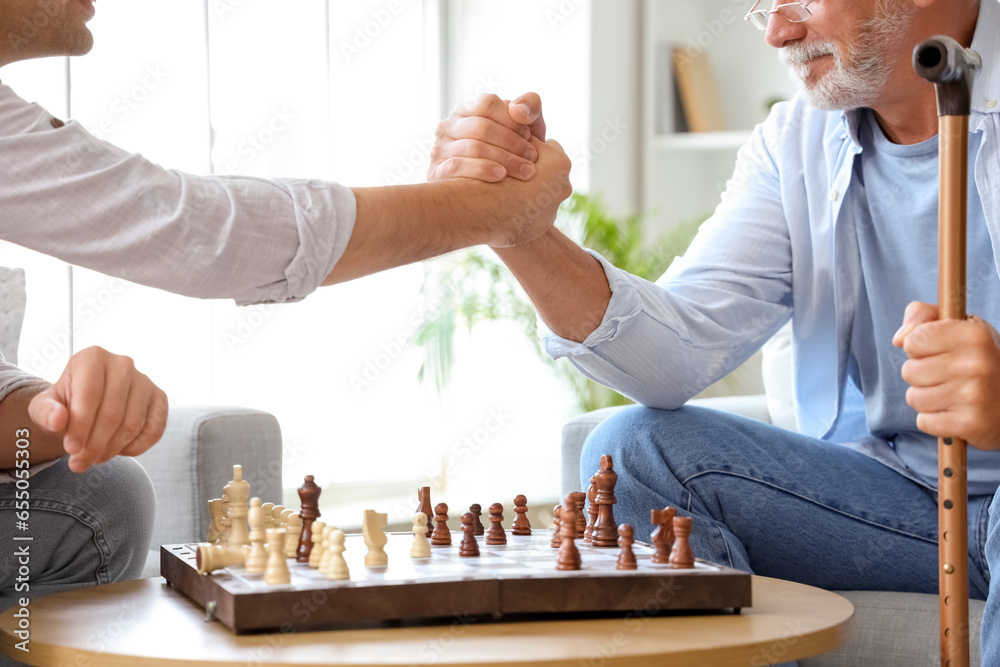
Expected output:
(246, 609)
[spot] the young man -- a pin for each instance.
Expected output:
(89, 203)
(831, 221)
(89, 524)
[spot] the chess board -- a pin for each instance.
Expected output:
(511, 582)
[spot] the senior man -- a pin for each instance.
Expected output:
(830, 220)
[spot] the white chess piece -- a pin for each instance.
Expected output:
(324, 561)
(338, 565)
(293, 531)
(375, 538)
(421, 547)
(276, 572)
(256, 561)
(268, 515)
(238, 492)
(316, 555)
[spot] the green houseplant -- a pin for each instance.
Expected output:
(474, 286)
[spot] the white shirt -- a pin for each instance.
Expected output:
(87, 202)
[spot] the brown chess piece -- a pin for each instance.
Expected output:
(588, 534)
(605, 529)
(580, 501)
(569, 555)
(663, 535)
(424, 498)
(477, 511)
(681, 556)
(441, 535)
(309, 496)
(626, 558)
(556, 540)
(495, 534)
(469, 546)
(521, 526)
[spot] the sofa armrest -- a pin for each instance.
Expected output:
(576, 430)
(194, 461)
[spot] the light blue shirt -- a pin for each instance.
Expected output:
(782, 244)
(892, 179)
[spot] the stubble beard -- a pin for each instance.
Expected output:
(858, 79)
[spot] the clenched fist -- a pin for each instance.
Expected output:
(102, 407)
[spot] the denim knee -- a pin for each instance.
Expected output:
(117, 501)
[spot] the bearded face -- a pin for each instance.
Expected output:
(856, 74)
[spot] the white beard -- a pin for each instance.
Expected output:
(858, 80)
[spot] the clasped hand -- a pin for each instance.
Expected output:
(954, 375)
(102, 407)
(497, 141)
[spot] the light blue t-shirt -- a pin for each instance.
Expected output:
(899, 178)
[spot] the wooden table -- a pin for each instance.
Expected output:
(147, 622)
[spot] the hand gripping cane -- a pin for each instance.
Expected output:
(951, 68)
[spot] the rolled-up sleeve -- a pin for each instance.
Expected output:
(661, 343)
(89, 203)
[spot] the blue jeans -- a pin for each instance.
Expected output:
(86, 529)
(780, 504)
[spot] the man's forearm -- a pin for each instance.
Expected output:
(567, 285)
(14, 417)
(403, 224)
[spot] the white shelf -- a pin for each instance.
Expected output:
(700, 141)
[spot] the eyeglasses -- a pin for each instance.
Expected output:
(796, 12)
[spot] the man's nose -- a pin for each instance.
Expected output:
(781, 32)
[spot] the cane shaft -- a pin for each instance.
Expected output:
(953, 549)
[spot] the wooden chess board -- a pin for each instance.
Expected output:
(511, 582)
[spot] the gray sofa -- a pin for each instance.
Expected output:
(889, 629)
(195, 457)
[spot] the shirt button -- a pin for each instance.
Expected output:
(990, 104)
(834, 195)
(56, 123)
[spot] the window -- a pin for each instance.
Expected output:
(346, 91)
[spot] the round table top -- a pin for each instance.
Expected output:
(147, 622)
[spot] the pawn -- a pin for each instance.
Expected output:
(268, 509)
(469, 546)
(663, 535)
(276, 572)
(256, 560)
(316, 555)
(681, 556)
(441, 536)
(556, 540)
(521, 525)
(626, 557)
(588, 534)
(495, 534)
(293, 530)
(477, 511)
(285, 513)
(420, 548)
(324, 560)
(569, 554)
(338, 565)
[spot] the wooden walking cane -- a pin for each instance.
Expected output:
(952, 68)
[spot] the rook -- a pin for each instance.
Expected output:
(681, 556)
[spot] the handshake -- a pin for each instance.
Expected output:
(496, 141)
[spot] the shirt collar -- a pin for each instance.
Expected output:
(986, 42)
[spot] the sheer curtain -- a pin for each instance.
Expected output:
(345, 91)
